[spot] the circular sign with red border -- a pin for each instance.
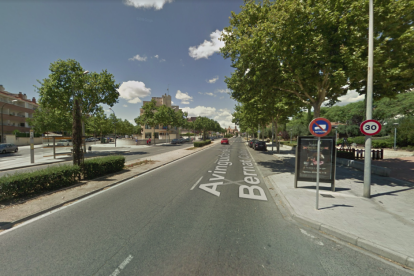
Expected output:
(370, 127)
(320, 127)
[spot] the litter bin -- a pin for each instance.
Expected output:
(90, 148)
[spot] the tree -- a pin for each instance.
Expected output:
(99, 123)
(205, 124)
(69, 89)
(48, 119)
(316, 51)
(148, 117)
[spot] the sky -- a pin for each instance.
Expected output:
(148, 45)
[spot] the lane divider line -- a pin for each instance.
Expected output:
(196, 183)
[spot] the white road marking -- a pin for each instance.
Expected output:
(311, 236)
(196, 183)
(95, 194)
(117, 271)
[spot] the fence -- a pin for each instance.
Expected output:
(360, 153)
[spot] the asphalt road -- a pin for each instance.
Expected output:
(130, 154)
(186, 218)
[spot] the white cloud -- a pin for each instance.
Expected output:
(162, 60)
(201, 93)
(213, 80)
(207, 48)
(184, 97)
(351, 97)
(199, 111)
(210, 94)
(139, 58)
(222, 97)
(133, 91)
(132, 122)
(156, 4)
(125, 105)
(223, 90)
(172, 102)
(156, 56)
(224, 117)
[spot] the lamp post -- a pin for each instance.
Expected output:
(395, 136)
(2, 135)
(114, 124)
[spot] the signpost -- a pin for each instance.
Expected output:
(370, 127)
(31, 146)
(319, 127)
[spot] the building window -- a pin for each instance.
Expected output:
(147, 134)
(156, 135)
(157, 127)
(147, 127)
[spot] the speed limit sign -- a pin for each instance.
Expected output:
(370, 127)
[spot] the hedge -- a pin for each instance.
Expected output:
(201, 143)
(96, 167)
(51, 178)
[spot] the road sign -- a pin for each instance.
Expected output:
(320, 127)
(370, 127)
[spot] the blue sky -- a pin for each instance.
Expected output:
(148, 45)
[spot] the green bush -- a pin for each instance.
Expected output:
(379, 144)
(96, 167)
(24, 184)
(201, 143)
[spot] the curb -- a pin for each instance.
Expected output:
(10, 225)
(402, 259)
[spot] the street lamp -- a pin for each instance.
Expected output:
(2, 135)
(395, 136)
(114, 124)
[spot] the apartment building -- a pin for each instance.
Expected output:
(160, 132)
(15, 108)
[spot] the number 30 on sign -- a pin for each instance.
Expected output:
(370, 127)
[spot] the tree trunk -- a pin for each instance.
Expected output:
(77, 134)
(316, 110)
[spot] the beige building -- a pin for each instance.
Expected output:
(160, 132)
(15, 109)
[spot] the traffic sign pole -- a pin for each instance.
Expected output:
(317, 172)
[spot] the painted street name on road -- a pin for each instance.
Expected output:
(250, 177)
(218, 174)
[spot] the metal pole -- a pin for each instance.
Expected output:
(2, 135)
(368, 139)
(395, 138)
(31, 147)
(317, 173)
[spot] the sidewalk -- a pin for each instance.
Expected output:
(383, 224)
(22, 210)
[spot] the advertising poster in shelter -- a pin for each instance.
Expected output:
(307, 156)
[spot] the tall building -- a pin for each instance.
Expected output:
(160, 131)
(15, 109)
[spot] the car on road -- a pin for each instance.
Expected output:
(251, 142)
(5, 147)
(175, 141)
(260, 145)
(224, 141)
(63, 143)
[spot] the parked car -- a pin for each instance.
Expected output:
(225, 141)
(251, 142)
(8, 148)
(63, 143)
(175, 141)
(182, 140)
(260, 145)
(187, 140)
